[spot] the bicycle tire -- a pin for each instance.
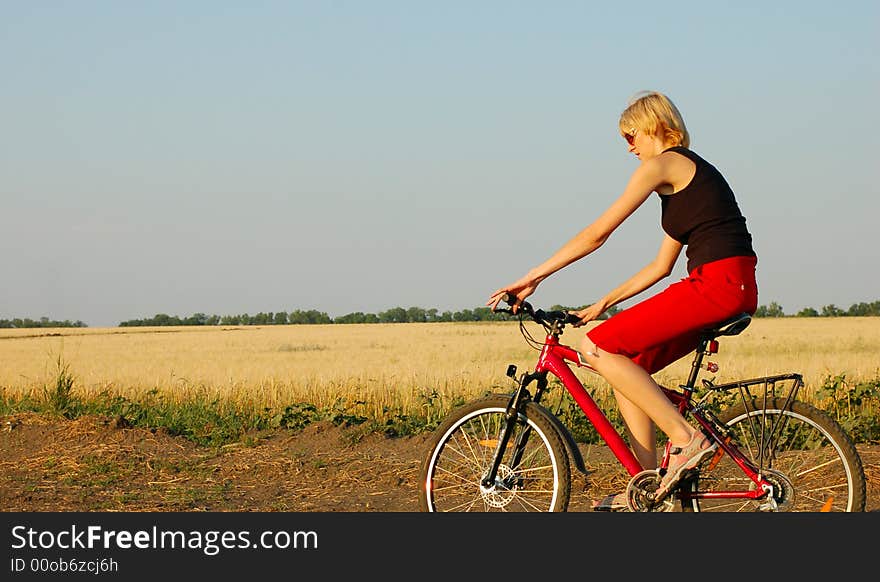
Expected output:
(811, 459)
(461, 453)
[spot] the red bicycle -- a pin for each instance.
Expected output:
(508, 452)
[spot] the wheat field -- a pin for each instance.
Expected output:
(384, 365)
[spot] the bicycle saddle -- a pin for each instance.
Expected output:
(732, 326)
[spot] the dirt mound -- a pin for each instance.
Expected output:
(100, 464)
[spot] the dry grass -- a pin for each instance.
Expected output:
(391, 365)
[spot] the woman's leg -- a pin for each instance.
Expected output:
(643, 399)
(641, 430)
(648, 336)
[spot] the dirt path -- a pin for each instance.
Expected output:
(92, 464)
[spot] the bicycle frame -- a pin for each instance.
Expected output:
(554, 359)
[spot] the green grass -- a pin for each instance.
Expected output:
(211, 421)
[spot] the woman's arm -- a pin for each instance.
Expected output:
(646, 178)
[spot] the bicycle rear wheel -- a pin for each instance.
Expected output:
(810, 459)
(462, 452)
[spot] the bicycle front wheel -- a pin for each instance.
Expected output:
(534, 474)
(805, 453)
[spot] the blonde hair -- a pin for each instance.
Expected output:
(652, 113)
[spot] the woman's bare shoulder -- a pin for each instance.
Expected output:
(677, 169)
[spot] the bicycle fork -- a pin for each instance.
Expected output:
(518, 400)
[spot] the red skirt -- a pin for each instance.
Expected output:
(663, 328)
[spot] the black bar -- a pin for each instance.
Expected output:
(405, 546)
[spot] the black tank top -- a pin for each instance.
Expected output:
(704, 216)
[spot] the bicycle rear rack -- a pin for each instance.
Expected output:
(755, 394)
(756, 390)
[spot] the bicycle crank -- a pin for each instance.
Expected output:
(641, 493)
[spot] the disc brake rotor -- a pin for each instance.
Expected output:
(499, 495)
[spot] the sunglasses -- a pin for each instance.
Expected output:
(631, 136)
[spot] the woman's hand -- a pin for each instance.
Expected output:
(519, 289)
(590, 313)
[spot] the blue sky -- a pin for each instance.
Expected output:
(232, 157)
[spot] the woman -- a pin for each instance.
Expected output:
(698, 211)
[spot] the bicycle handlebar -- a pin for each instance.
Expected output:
(539, 315)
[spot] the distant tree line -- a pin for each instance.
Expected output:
(401, 315)
(394, 315)
(19, 322)
(855, 310)
(421, 315)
